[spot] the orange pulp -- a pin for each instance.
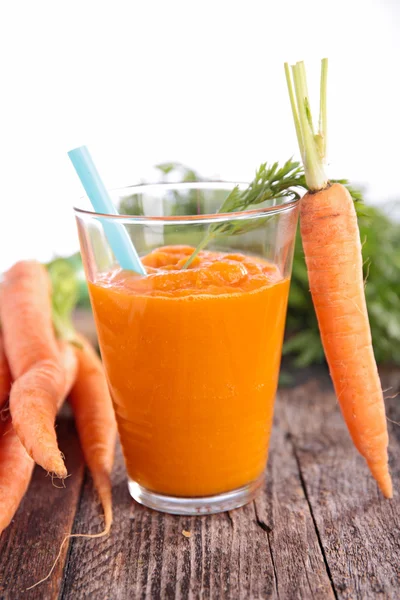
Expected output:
(192, 359)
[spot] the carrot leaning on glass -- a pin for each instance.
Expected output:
(332, 248)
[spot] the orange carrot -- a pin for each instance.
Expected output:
(332, 248)
(16, 468)
(95, 422)
(16, 465)
(5, 375)
(35, 361)
(70, 365)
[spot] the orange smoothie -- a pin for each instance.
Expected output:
(192, 359)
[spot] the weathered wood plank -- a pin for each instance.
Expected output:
(358, 528)
(147, 555)
(268, 549)
(284, 512)
(30, 544)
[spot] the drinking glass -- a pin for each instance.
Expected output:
(192, 351)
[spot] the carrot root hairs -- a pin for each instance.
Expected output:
(68, 537)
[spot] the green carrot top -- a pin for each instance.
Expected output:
(312, 145)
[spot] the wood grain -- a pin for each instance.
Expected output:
(147, 556)
(359, 529)
(284, 511)
(319, 529)
(30, 544)
(268, 549)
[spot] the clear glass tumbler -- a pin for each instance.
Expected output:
(192, 351)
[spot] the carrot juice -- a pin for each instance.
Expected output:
(192, 358)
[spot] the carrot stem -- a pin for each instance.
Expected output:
(322, 105)
(312, 145)
(202, 245)
(294, 111)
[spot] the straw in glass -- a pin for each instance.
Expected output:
(118, 238)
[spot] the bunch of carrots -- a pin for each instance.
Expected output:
(38, 370)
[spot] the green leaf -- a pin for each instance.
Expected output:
(64, 296)
(270, 184)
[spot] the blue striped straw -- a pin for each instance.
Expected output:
(118, 238)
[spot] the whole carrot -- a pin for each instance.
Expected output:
(332, 248)
(5, 375)
(95, 421)
(35, 361)
(16, 465)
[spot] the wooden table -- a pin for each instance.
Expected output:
(319, 529)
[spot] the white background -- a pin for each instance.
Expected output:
(198, 82)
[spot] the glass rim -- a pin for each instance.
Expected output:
(283, 205)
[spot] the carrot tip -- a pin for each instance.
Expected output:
(382, 477)
(386, 487)
(58, 471)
